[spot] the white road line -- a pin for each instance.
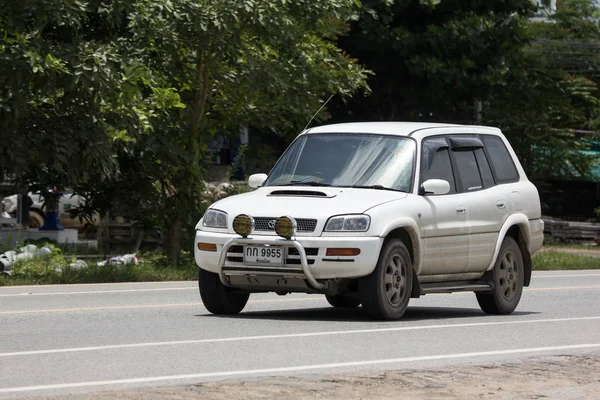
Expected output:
(291, 335)
(298, 368)
(58, 285)
(565, 276)
(24, 294)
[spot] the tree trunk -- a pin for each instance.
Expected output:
(174, 250)
(196, 114)
(478, 108)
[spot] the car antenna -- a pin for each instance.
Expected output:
(318, 111)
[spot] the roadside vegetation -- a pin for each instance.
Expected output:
(554, 259)
(61, 267)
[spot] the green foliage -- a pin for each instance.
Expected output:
(432, 61)
(551, 95)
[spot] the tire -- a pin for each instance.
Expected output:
(507, 278)
(385, 293)
(218, 298)
(341, 301)
(36, 220)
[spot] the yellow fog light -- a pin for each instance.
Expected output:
(243, 225)
(285, 227)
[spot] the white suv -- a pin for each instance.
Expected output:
(374, 214)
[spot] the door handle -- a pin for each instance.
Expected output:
(500, 204)
(461, 211)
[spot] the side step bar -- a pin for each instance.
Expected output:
(449, 288)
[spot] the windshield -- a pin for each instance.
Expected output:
(340, 159)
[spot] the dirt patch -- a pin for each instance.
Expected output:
(559, 377)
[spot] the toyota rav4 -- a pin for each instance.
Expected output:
(374, 214)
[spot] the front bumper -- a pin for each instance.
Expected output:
(305, 260)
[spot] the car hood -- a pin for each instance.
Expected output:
(305, 202)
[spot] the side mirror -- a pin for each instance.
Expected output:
(435, 186)
(256, 180)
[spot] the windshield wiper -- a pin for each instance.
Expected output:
(378, 187)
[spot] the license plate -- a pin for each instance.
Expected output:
(263, 255)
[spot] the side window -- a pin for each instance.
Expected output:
(500, 159)
(468, 173)
(435, 164)
(484, 169)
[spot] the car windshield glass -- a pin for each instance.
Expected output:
(340, 159)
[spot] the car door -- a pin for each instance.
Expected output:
(486, 202)
(443, 221)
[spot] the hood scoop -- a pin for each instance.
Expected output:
(300, 193)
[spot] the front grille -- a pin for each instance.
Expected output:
(304, 224)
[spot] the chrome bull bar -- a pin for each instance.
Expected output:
(275, 242)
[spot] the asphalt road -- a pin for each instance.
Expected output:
(56, 340)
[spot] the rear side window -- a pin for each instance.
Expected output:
(440, 168)
(468, 172)
(500, 158)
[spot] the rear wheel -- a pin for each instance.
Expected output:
(341, 301)
(508, 276)
(385, 293)
(218, 298)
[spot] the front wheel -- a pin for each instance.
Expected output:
(385, 293)
(218, 298)
(508, 276)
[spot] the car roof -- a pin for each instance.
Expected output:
(388, 128)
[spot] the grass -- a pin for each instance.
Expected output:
(556, 260)
(56, 269)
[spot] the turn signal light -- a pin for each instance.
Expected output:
(207, 246)
(343, 252)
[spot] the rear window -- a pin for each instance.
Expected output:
(499, 157)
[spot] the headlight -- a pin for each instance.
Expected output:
(348, 223)
(215, 219)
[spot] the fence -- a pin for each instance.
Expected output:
(572, 230)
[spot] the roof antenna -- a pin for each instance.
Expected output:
(318, 111)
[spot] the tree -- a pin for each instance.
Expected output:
(117, 99)
(233, 63)
(432, 61)
(69, 94)
(551, 96)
